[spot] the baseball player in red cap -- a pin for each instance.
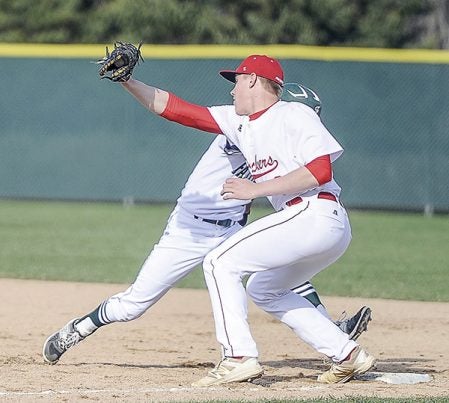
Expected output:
(290, 155)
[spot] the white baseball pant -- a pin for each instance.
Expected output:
(182, 247)
(279, 252)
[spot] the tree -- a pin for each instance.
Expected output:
(380, 23)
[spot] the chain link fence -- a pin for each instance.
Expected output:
(65, 134)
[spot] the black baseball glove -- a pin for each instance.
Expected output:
(119, 64)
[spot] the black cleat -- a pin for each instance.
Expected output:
(355, 325)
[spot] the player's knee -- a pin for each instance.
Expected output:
(130, 313)
(124, 309)
(258, 298)
(254, 292)
(260, 293)
(210, 263)
(219, 269)
(207, 266)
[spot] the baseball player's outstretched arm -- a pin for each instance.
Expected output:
(171, 107)
(152, 98)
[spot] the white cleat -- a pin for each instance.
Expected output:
(232, 370)
(358, 363)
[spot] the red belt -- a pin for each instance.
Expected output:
(321, 195)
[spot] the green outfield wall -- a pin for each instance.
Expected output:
(66, 134)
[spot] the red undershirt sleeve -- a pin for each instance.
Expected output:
(321, 169)
(187, 114)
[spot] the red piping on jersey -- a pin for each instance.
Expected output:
(321, 169)
(192, 115)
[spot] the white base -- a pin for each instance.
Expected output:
(395, 378)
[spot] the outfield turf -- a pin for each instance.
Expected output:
(392, 255)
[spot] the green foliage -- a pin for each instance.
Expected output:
(391, 23)
(157, 21)
(40, 21)
(383, 23)
(397, 256)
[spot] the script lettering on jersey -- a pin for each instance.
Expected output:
(263, 166)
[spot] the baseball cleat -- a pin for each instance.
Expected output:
(358, 363)
(58, 343)
(232, 370)
(355, 325)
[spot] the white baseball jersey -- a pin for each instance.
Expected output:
(296, 136)
(201, 194)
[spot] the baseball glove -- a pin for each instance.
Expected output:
(118, 65)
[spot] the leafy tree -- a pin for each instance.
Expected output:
(380, 23)
(39, 21)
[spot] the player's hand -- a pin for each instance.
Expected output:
(240, 189)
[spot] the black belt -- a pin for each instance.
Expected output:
(224, 223)
(321, 195)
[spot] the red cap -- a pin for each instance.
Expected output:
(260, 65)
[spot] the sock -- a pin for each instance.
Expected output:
(307, 291)
(89, 323)
(85, 327)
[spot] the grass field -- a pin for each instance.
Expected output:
(392, 255)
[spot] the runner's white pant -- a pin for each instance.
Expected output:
(182, 247)
(279, 251)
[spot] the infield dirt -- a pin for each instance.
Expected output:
(156, 357)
